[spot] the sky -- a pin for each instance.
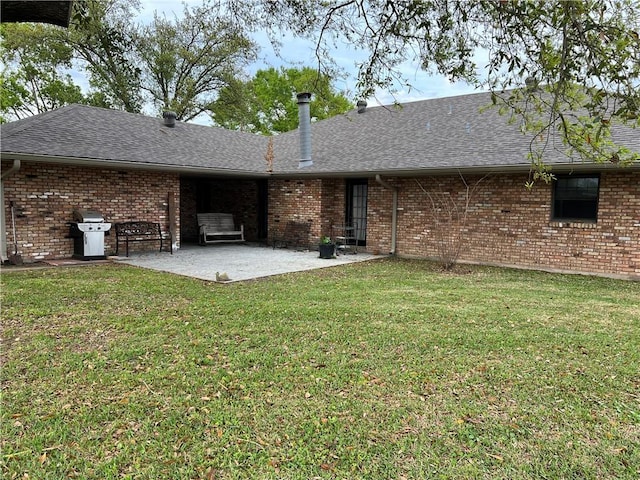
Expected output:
(298, 52)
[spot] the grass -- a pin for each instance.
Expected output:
(383, 370)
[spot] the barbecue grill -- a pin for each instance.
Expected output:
(88, 230)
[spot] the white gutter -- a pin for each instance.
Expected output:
(394, 212)
(3, 227)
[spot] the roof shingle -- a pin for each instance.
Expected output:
(428, 136)
(99, 135)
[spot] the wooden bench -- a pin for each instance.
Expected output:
(137, 231)
(295, 233)
(218, 227)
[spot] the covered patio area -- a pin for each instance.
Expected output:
(237, 261)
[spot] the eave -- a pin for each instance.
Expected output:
(302, 173)
(470, 170)
(123, 164)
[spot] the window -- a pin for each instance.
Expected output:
(576, 198)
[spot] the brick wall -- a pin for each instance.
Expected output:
(45, 196)
(508, 224)
(317, 201)
(379, 215)
(333, 204)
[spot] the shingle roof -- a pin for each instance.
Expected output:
(98, 135)
(428, 136)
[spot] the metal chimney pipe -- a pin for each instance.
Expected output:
(304, 119)
(169, 118)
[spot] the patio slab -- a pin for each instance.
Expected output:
(238, 261)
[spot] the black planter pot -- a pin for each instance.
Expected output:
(327, 250)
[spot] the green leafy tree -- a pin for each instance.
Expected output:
(185, 62)
(235, 107)
(562, 67)
(178, 65)
(102, 36)
(267, 103)
(33, 78)
(98, 42)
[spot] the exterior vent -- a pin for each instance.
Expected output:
(304, 118)
(169, 119)
(362, 106)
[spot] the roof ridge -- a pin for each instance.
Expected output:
(148, 118)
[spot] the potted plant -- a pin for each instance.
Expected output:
(327, 247)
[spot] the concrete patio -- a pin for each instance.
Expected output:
(237, 261)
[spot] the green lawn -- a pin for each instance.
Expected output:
(382, 370)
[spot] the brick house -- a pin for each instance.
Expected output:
(432, 173)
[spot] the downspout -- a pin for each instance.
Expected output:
(394, 212)
(3, 228)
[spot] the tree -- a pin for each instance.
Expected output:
(178, 65)
(102, 35)
(33, 78)
(448, 211)
(571, 67)
(98, 41)
(267, 103)
(186, 61)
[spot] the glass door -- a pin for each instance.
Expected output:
(356, 206)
